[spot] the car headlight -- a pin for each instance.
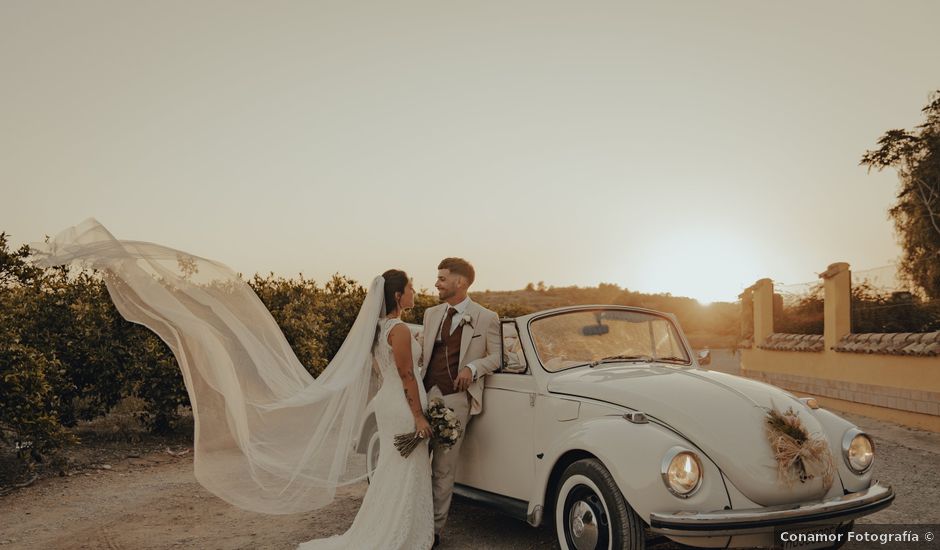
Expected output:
(682, 472)
(858, 451)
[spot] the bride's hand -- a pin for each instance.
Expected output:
(422, 427)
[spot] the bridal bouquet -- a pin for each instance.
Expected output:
(445, 428)
(444, 424)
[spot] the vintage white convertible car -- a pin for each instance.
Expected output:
(604, 422)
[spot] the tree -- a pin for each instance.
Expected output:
(915, 154)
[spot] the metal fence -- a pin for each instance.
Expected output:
(798, 308)
(882, 301)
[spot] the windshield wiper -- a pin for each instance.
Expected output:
(673, 358)
(631, 358)
(615, 358)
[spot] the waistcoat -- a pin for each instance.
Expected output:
(445, 357)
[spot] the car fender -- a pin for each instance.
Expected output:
(836, 428)
(633, 453)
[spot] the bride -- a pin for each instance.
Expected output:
(269, 437)
(397, 511)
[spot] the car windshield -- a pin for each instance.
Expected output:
(597, 336)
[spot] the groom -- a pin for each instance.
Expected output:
(461, 346)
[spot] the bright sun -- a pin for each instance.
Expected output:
(715, 272)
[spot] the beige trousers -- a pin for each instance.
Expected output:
(444, 461)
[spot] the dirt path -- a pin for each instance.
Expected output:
(155, 502)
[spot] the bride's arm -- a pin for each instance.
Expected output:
(400, 340)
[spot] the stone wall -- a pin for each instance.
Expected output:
(893, 377)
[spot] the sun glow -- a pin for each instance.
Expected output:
(712, 268)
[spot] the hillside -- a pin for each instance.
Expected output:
(714, 325)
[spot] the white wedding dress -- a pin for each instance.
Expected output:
(397, 511)
(269, 436)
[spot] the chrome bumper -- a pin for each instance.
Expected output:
(756, 520)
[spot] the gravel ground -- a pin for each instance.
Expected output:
(153, 501)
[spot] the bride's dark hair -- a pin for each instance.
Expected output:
(395, 281)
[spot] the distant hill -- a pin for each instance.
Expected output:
(715, 325)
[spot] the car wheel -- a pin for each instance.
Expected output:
(372, 454)
(844, 531)
(590, 512)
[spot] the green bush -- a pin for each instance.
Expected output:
(29, 401)
(338, 305)
(72, 318)
(156, 378)
(294, 304)
(422, 302)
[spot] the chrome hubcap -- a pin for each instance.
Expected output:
(582, 524)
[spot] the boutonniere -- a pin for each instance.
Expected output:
(466, 319)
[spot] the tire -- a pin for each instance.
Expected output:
(372, 454)
(590, 512)
(844, 531)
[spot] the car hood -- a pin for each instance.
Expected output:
(720, 413)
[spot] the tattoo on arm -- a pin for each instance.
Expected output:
(400, 340)
(410, 398)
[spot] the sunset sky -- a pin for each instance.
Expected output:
(683, 147)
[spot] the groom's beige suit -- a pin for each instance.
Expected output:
(478, 330)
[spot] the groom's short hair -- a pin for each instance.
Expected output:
(460, 267)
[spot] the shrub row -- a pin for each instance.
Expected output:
(67, 355)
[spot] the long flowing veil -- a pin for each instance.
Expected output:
(268, 436)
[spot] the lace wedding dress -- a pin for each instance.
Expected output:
(397, 511)
(269, 437)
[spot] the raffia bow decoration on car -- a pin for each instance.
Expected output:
(800, 456)
(445, 428)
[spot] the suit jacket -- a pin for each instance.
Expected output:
(479, 345)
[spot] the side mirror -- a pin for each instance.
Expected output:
(704, 357)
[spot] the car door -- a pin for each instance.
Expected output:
(497, 452)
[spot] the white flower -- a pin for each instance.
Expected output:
(466, 319)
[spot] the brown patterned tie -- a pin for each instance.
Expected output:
(448, 321)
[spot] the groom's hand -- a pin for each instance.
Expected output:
(464, 379)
